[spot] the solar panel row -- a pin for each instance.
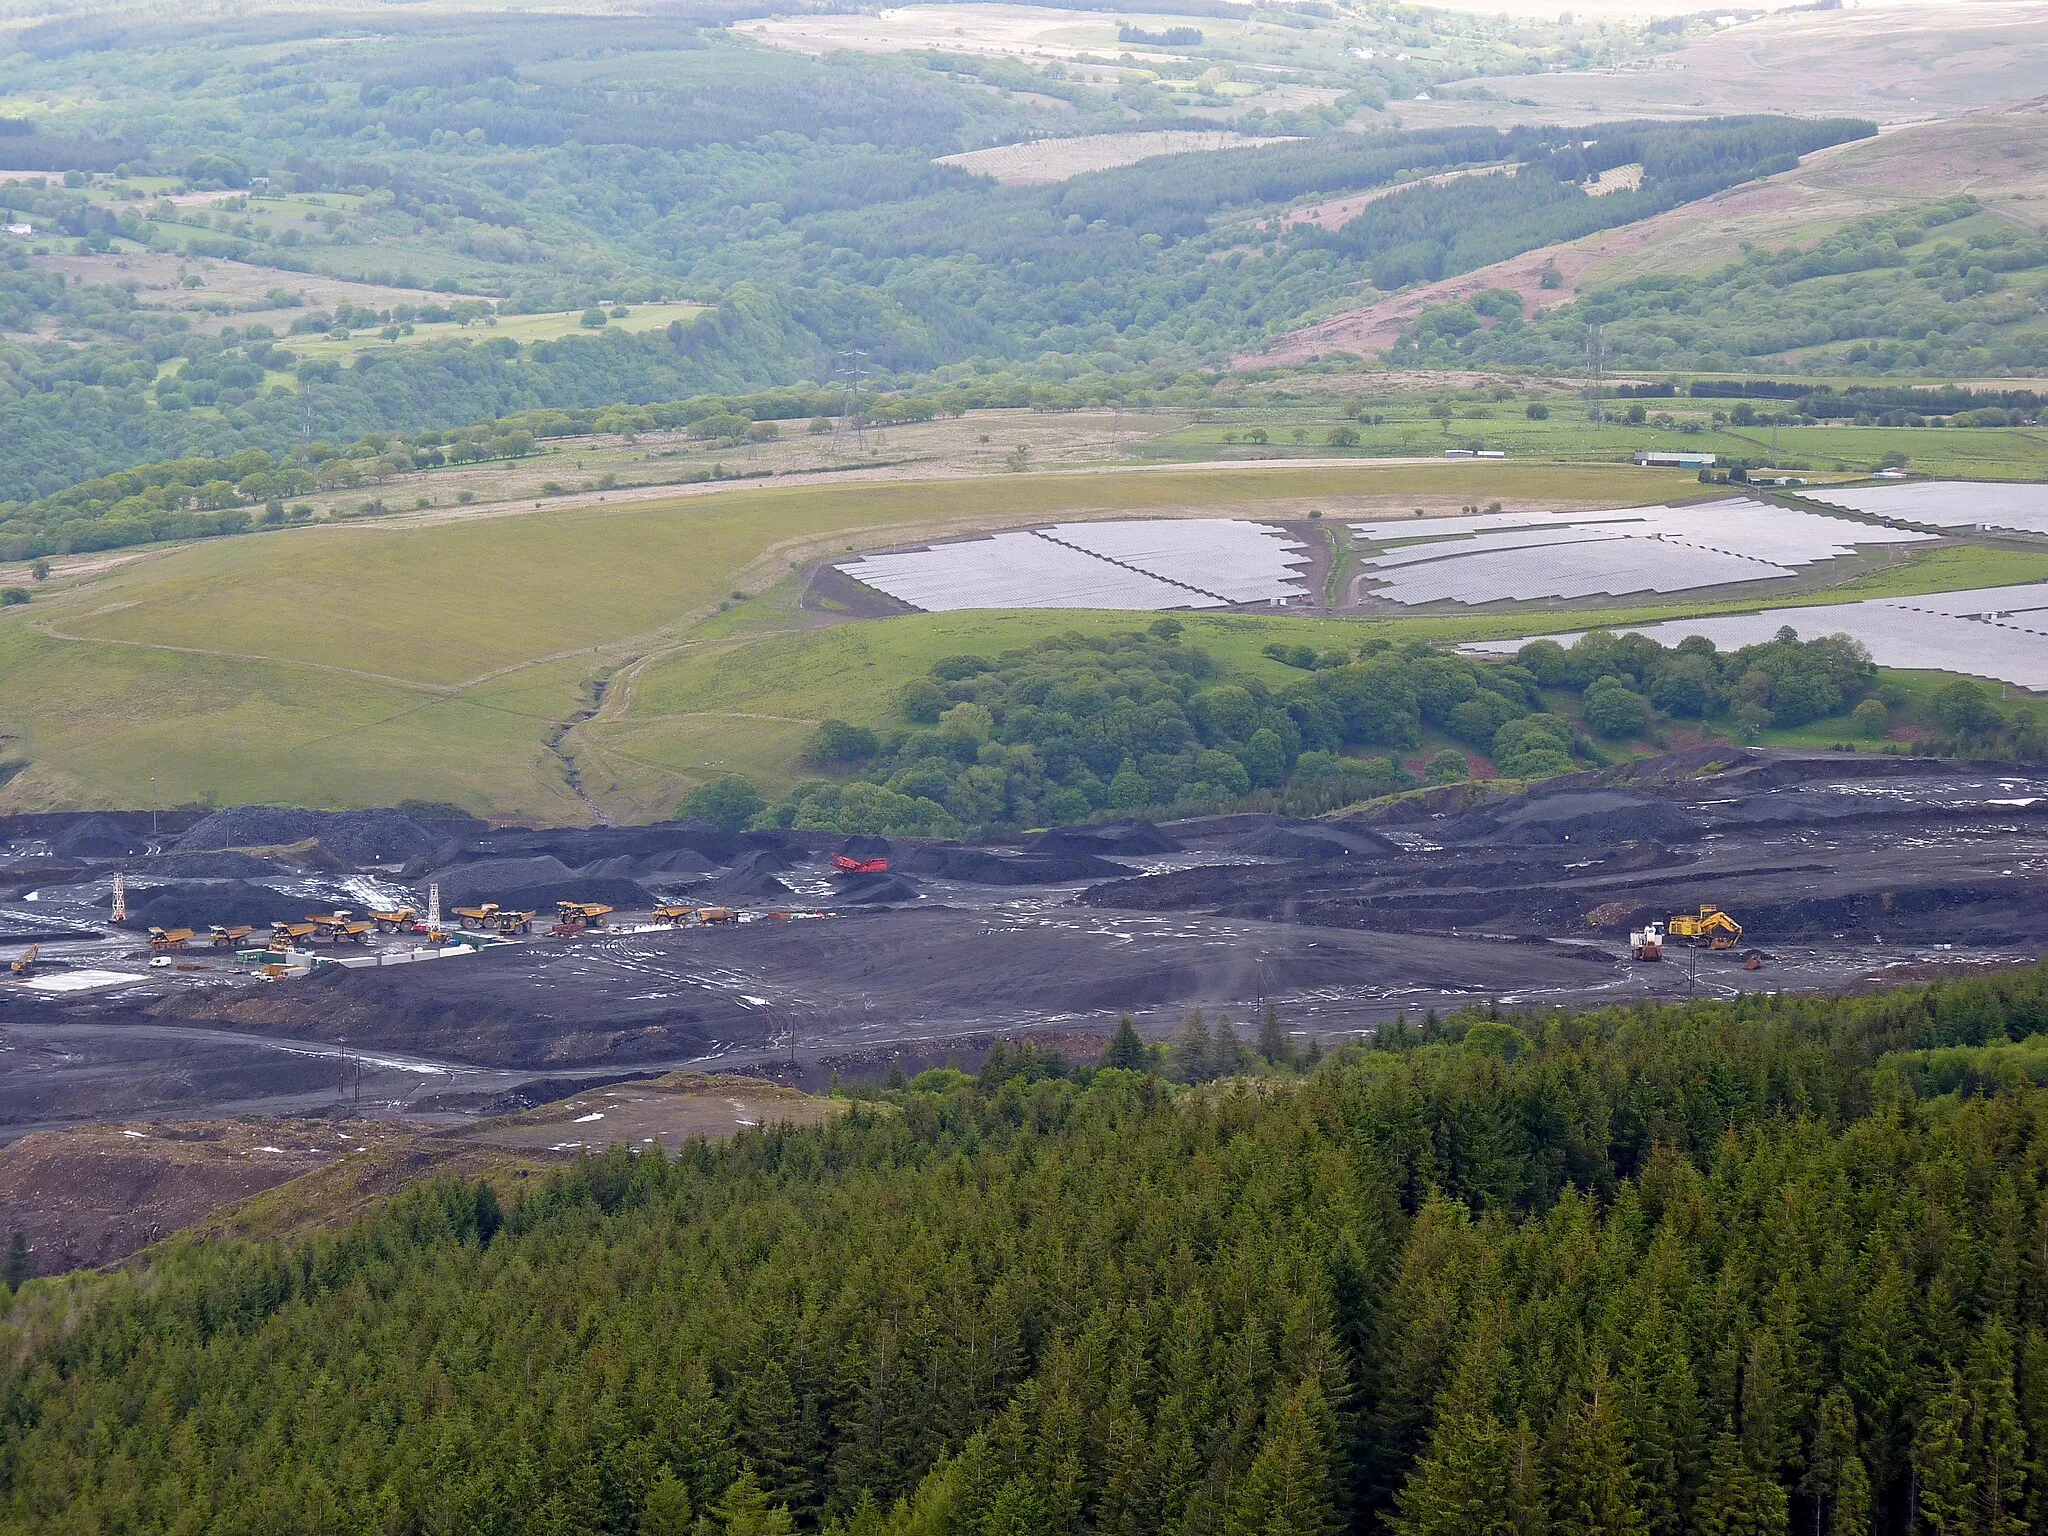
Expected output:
(1239, 561)
(1137, 566)
(1947, 503)
(1954, 632)
(1659, 549)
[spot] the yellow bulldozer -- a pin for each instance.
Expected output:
(1712, 929)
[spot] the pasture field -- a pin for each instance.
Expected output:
(359, 663)
(1404, 427)
(1040, 161)
(523, 329)
(457, 657)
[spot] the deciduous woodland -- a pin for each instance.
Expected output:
(1764, 1266)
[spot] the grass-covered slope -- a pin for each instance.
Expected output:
(1756, 1266)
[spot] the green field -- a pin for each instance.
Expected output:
(523, 329)
(1406, 428)
(357, 664)
(362, 663)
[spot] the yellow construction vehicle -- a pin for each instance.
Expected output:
(26, 965)
(674, 915)
(163, 940)
(717, 915)
(509, 923)
(477, 917)
(396, 920)
(340, 927)
(284, 935)
(581, 914)
(1712, 929)
(223, 937)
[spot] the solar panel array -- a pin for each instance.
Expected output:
(1239, 561)
(1996, 632)
(1509, 556)
(1947, 503)
(1140, 566)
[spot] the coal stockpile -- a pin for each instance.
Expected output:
(1309, 840)
(669, 845)
(978, 866)
(353, 837)
(213, 866)
(202, 903)
(872, 889)
(1126, 837)
(99, 837)
(1809, 848)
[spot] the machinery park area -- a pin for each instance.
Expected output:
(260, 961)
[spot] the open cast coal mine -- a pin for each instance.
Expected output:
(803, 953)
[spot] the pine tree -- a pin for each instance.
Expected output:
(1878, 1364)
(1291, 1486)
(771, 1435)
(666, 1509)
(1593, 1486)
(1946, 1493)
(1463, 1484)
(745, 1510)
(1835, 1477)
(1528, 1498)
(20, 1264)
(1192, 1053)
(1273, 1042)
(1737, 1499)
(1997, 1440)
(1127, 1050)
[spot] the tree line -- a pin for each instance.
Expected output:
(1075, 727)
(1769, 1264)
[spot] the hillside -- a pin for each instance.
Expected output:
(1756, 1266)
(1999, 156)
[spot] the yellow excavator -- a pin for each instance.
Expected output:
(25, 967)
(1712, 929)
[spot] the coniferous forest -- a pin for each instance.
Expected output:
(1764, 1266)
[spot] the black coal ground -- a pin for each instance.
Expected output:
(1841, 868)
